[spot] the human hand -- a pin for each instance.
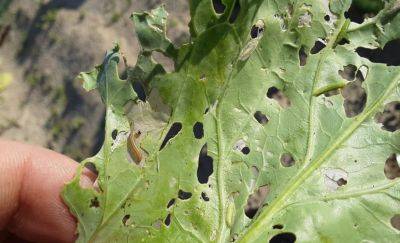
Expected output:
(31, 180)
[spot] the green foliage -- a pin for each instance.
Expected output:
(324, 171)
(4, 4)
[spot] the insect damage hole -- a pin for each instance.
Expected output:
(167, 220)
(287, 160)
(241, 146)
(277, 226)
(302, 56)
(286, 237)
(257, 30)
(348, 72)
(388, 55)
(173, 131)
(166, 62)
(87, 180)
(205, 197)
(125, 220)
(355, 96)
(171, 202)
(245, 150)
(256, 201)
(114, 134)
(198, 130)
(361, 10)
(261, 118)
(392, 168)
(279, 96)
(184, 195)
(390, 117)
(205, 166)
(235, 12)
(319, 45)
(94, 203)
(335, 178)
(395, 221)
(219, 7)
(140, 91)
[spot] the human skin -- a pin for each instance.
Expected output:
(31, 179)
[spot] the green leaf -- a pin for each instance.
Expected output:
(151, 30)
(182, 165)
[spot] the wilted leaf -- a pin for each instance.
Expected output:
(185, 164)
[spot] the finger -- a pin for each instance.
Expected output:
(6, 237)
(30, 184)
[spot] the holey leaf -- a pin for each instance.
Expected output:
(251, 138)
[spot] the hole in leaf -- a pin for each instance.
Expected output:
(125, 220)
(235, 12)
(287, 160)
(390, 117)
(245, 150)
(94, 203)
(198, 130)
(166, 62)
(395, 221)
(261, 118)
(234, 237)
(258, 29)
(171, 202)
(392, 168)
(88, 179)
(219, 7)
(335, 178)
(388, 55)
(114, 134)
(277, 226)
(286, 237)
(167, 220)
(359, 10)
(327, 18)
(362, 73)
(318, 46)
(92, 167)
(279, 96)
(341, 182)
(348, 72)
(205, 197)
(184, 195)
(355, 98)
(139, 89)
(302, 56)
(205, 167)
(343, 41)
(173, 131)
(256, 201)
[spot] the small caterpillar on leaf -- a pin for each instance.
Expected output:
(133, 149)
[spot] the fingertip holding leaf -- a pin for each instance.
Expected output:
(238, 141)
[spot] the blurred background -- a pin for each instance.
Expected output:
(44, 44)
